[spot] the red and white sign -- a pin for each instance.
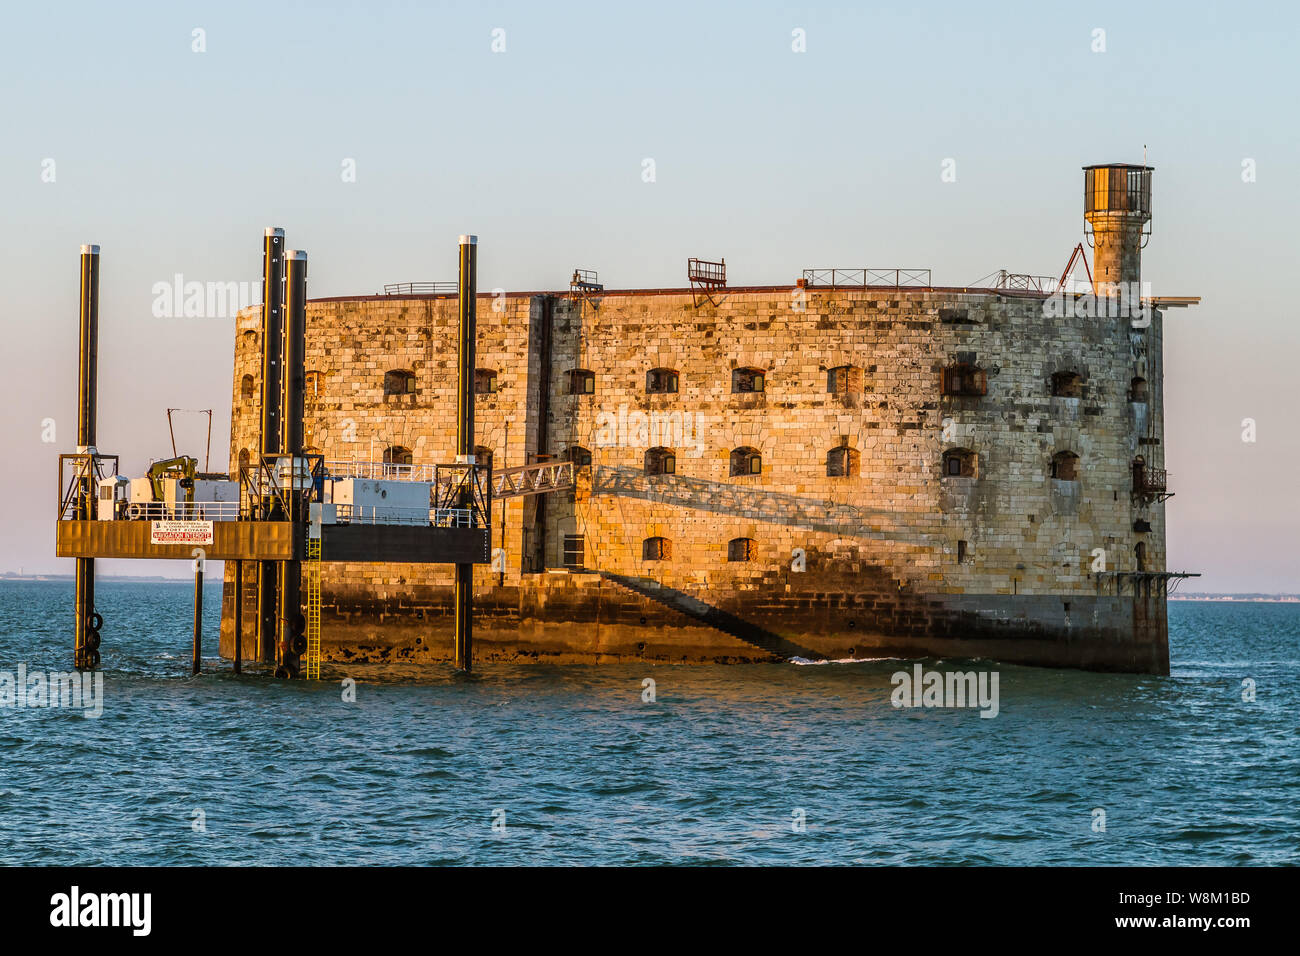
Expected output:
(180, 532)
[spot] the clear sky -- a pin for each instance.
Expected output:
(174, 161)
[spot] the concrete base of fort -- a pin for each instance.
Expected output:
(604, 621)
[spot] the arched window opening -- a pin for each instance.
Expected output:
(482, 456)
(656, 549)
(582, 381)
(963, 379)
(1065, 466)
(844, 380)
(745, 380)
(842, 462)
(660, 381)
(1140, 555)
(960, 463)
(746, 461)
(246, 388)
(660, 461)
(1067, 385)
(485, 381)
(1137, 390)
(399, 382)
(581, 457)
(740, 549)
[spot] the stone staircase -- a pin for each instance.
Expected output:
(711, 616)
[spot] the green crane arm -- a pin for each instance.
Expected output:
(183, 466)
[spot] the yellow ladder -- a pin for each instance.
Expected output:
(311, 660)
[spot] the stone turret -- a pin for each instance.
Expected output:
(1117, 208)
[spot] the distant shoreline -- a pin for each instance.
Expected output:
(1215, 597)
(1239, 598)
(8, 577)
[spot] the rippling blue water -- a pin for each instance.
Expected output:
(585, 772)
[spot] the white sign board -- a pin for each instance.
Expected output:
(180, 532)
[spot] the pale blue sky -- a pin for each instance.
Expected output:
(174, 161)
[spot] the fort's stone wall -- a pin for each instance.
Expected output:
(896, 556)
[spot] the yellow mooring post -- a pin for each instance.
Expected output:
(311, 660)
(239, 616)
(197, 661)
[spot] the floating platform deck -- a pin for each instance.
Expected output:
(279, 541)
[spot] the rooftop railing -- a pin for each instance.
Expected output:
(421, 288)
(706, 272)
(866, 278)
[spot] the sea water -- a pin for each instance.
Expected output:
(542, 764)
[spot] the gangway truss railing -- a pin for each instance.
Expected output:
(535, 479)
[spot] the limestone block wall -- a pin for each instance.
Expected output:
(1024, 531)
(895, 524)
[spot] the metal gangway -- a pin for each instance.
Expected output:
(536, 479)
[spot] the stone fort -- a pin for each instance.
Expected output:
(829, 468)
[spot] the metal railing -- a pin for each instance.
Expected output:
(380, 514)
(181, 511)
(454, 517)
(1148, 480)
(421, 288)
(586, 280)
(1022, 282)
(705, 272)
(388, 471)
(867, 278)
(415, 517)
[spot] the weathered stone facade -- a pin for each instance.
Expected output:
(891, 555)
